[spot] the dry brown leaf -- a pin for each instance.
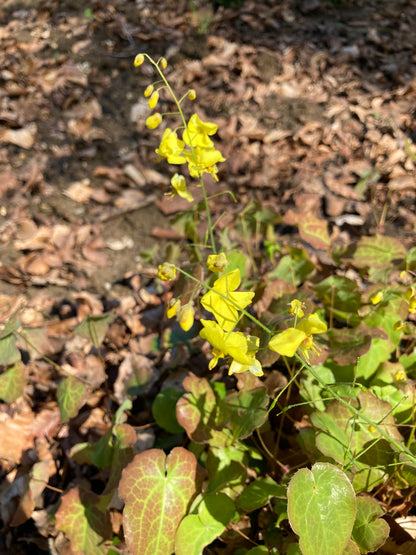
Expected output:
(24, 137)
(80, 191)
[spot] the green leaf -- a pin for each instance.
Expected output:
(157, 491)
(340, 293)
(370, 531)
(258, 493)
(197, 531)
(71, 395)
(164, 410)
(9, 353)
(94, 328)
(379, 352)
(378, 252)
(227, 470)
(84, 520)
(12, 382)
(246, 410)
(321, 509)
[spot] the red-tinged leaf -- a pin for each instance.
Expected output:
(157, 491)
(314, 231)
(83, 519)
(71, 396)
(195, 411)
(378, 252)
(12, 382)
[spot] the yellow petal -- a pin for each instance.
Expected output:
(312, 324)
(186, 317)
(287, 342)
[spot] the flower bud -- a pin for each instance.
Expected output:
(163, 63)
(376, 297)
(154, 121)
(138, 60)
(412, 305)
(166, 271)
(217, 262)
(153, 100)
(148, 91)
(296, 308)
(186, 317)
(192, 94)
(174, 306)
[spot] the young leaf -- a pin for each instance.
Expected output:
(197, 531)
(370, 531)
(157, 491)
(71, 396)
(83, 519)
(321, 509)
(12, 382)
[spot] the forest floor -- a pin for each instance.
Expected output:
(315, 103)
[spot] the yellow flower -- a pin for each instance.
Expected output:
(204, 162)
(153, 100)
(174, 306)
(138, 60)
(288, 341)
(171, 147)
(197, 131)
(148, 91)
(179, 187)
(217, 262)
(154, 121)
(163, 63)
(296, 309)
(226, 309)
(191, 94)
(234, 344)
(166, 271)
(376, 297)
(412, 305)
(186, 317)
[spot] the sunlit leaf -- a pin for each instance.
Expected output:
(370, 531)
(247, 410)
(321, 509)
(9, 353)
(71, 395)
(85, 522)
(157, 491)
(215, 512)
(12, 382)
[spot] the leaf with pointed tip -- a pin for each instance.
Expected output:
(94, 328)
(314, 231)
(83, 519)
(370, 531)
(247, 410)
(321, 509)
(12, 382)
(71, 395)
(157, 491)
(197, 531)
(258, 493)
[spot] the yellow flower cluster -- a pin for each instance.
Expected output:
(226, 304)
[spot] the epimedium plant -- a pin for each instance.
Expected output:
(336, 351)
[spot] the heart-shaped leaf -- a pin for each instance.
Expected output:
(378, 252)
(321, 509)
(370, 531)
(83, 519)
(157, 491)
(258, 493)
(197, 531)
